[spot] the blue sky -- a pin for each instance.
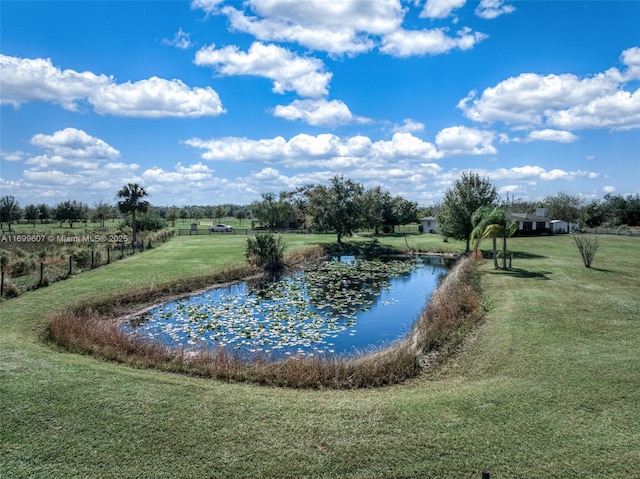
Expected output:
(214, 101)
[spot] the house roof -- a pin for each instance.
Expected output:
(528, 217)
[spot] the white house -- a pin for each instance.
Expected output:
(561, 226)
(529, 224)
(429, 224)
(532, 224)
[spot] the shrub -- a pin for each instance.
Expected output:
(22, 266)
(266, 251)
(588, 245)
(9, 290)
(82, 257)
(147, 222)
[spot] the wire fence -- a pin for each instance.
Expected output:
(27, 269)
(405, 229)
(612, 231)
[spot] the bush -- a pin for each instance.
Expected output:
(9, 290)
(147, 222)
(22, 266)
(82, 258)
(587, 246)
(266, 251)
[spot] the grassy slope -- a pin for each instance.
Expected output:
(549, 387)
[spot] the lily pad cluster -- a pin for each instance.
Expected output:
(299, 314)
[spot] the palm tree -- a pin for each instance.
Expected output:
(496, 225)
(132, 201)
(479, 221)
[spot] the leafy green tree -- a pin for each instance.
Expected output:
(593, 214)
(172, 215)
(403, 212)
(197, 213)
(241, 214)
(620, 210)
(377, 208)
(460, 201)
(10, 210)
(149, 221)
(45, 213)
(31, 213)
(71, 212)
(132, 201)
(563, 207)
(102, 212)
(337, 207)
(272, 211)
(219, 213)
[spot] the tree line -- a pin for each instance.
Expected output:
(72, 212)
(342, 206)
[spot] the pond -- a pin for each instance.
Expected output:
(341, 307)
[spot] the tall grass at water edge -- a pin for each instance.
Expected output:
(452, 311)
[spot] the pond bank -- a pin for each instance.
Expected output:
(91, 328)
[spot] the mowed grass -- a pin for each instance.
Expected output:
(548, 386)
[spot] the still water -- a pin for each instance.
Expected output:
(342, 307)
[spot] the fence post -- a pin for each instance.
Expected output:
(108, 254)
(92, 259)
(70, 264)
(41, 273)
(485, 474)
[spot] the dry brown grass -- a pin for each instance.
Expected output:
(453, 310)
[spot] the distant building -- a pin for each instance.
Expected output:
(530, 224)
(429, 224)
(561, 226)
(539, 223)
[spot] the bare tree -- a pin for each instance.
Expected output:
(588, 245)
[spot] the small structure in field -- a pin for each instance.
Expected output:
(429, 224)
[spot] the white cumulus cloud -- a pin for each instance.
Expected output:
(74, 143)
(461, 140)
(157, 98)
(405, 43)
(324, 149)
(562, 101)
(304, 75)
(440, 8)
(318, 112)
(345, 27)
(26, 80)
(490, 9)
(559, 136)
(408, 126)
(336, 26)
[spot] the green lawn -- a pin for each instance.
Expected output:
(548, 386)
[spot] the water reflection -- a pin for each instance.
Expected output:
(336, 308)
